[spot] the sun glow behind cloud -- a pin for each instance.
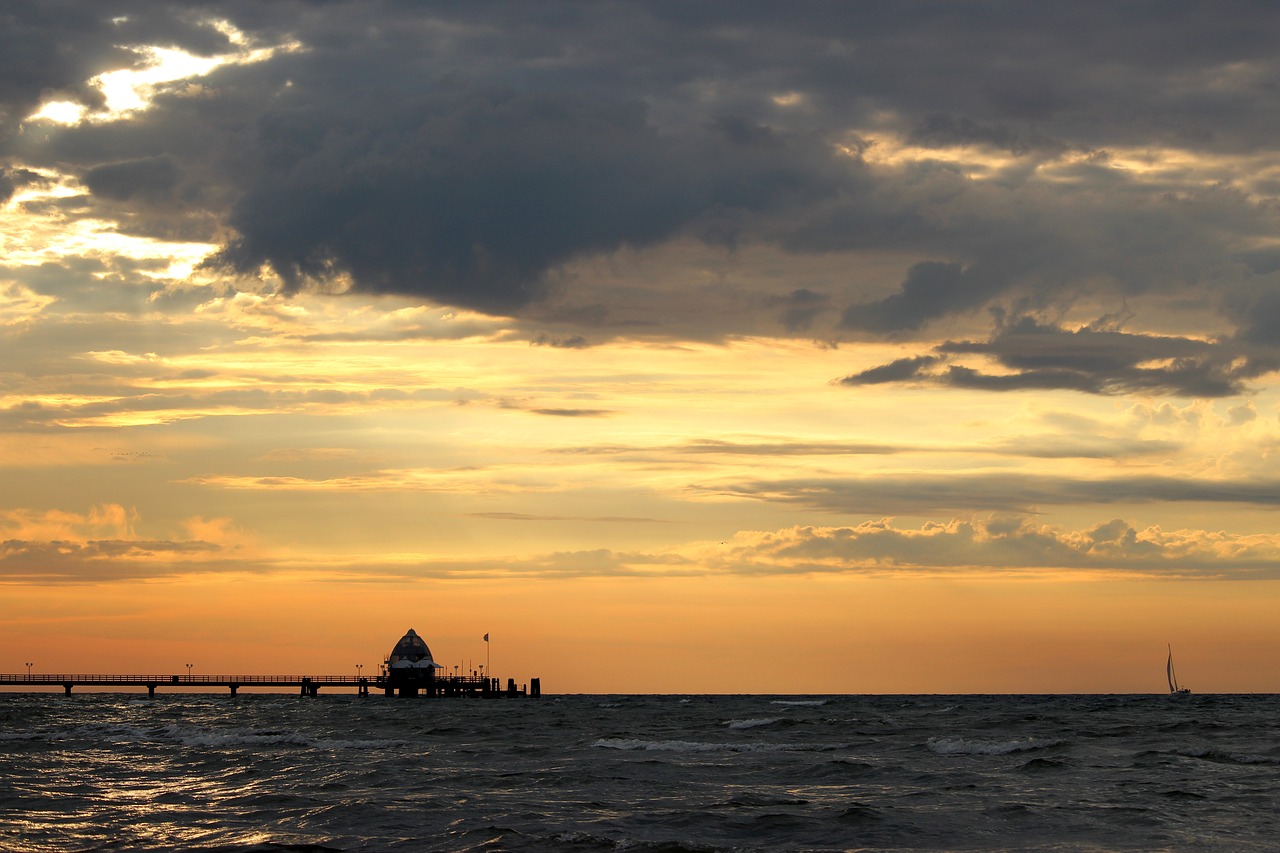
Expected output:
(126, 91)
(1254, 173)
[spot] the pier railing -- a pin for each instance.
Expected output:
(191, 680)
(444, 685)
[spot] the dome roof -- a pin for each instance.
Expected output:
(411, 650)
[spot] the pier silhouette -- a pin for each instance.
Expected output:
(409, 670)
(307, 685)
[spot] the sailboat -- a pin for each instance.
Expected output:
(1175, 689)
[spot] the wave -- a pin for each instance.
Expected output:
(753, 724)
(635, 744)
(983, 746)
(211, 738)
(10, 737)
(812, 703)
(1224, 757)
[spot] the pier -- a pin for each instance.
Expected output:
(307, 685)
(409, 670)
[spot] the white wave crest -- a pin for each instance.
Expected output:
(753, 724)
(982, 746)
(812, 703)
(659, 745)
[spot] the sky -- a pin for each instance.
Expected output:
(742, 347)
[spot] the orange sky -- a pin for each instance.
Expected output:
(688, 635)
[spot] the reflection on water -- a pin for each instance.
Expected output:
(119, 772)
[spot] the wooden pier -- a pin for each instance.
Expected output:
(307, 685)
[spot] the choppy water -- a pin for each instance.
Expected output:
(110, 772)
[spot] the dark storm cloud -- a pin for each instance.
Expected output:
(940, 131)
(466, 153)
(470, 195)
(799, 308)
(151, 177)
(56, 46)
(1259, 317)
(1091, 360)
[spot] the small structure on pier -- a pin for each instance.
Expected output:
(410, 668)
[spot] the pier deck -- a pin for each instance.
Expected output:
(307, 685)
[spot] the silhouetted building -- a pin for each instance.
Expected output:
(410, 667)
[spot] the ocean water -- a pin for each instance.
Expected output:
(111, 772)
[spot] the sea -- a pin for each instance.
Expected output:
(271, 772)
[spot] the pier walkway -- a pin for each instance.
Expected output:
(307, 685)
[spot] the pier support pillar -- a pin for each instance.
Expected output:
(151, 691)
(234, 688)
(535, 688)
(67, 687)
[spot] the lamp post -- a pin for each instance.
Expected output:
(189, 671)
(29, 665)
(359, 667)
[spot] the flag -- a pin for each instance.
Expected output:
(486, 638)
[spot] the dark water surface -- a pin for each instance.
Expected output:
(106, 772)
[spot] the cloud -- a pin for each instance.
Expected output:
(470, 197)
(522, 516)
(993, 544)
(1035, 355)
(129, 400)
(1258, 313)
(464, 480)
(96, 561)
(799, 308)
(574, 413)
(58, 546)
(1078, 440)
(898, 370)
(919, 165)
(931, 494)
(942, 130)
(1003, 544)
(930, 290)
(146, 177)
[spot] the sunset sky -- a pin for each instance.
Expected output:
(682, 347)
